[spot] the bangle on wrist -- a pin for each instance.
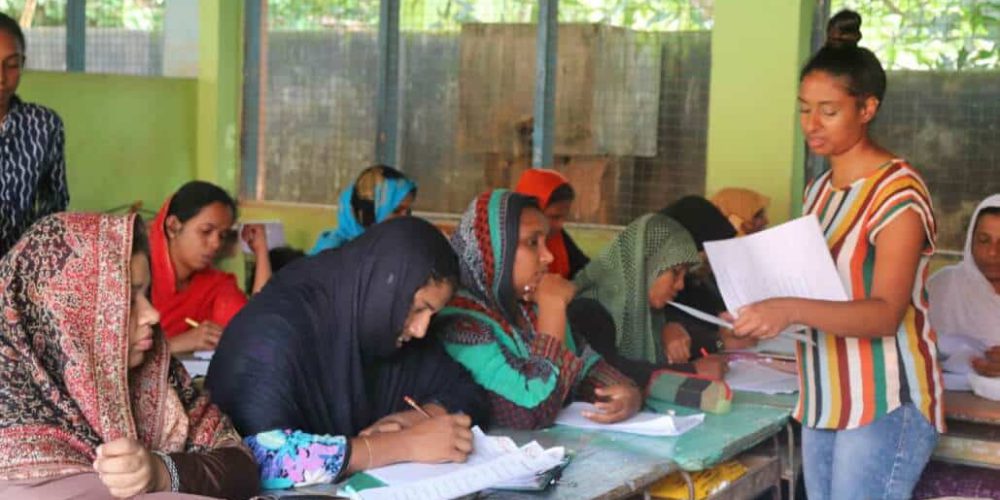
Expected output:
(168, 463)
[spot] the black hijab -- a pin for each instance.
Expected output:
(701, 218)
(316, 349)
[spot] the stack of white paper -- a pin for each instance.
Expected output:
(644, 423)
(755, 376)
(496, 462)
(790, 260)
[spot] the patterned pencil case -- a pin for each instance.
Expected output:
(688, 389)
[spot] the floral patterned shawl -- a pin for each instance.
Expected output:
(65, 386)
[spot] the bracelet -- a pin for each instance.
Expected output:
(175, 479)
(369, 447)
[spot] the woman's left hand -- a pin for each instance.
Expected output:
(615, 403)
(764, 319)
(128, 469)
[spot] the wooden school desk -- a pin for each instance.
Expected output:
(973, 436)
(609, 465)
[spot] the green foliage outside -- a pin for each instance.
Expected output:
(951, 35)
(143, 15)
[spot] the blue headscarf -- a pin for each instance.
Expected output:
(378, 191)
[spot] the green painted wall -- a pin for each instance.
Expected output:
(127, 138)
(220, 67)
(754, 140)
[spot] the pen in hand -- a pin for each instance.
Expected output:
(415, 406)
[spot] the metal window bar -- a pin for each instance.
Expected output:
(76, 35)
(546, 50)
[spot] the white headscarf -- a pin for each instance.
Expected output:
(962, 301)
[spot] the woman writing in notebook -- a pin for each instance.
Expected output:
(331, 349)
(870, 398)
(196, 300)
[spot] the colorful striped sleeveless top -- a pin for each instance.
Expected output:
(849, 382)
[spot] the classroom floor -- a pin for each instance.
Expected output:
(949, 480)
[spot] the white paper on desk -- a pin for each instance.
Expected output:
(274, 229)
(789, 260)
(496, 461)
(755, 376)
(195, 367)
(644, 423)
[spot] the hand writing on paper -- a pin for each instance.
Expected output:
(445, 438)
(616, 403)
(402, 420)
(128, 469)
(203, 337)
(676, 343)
(764, 319)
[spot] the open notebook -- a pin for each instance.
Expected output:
(496, 463)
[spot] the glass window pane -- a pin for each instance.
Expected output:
(125, 36)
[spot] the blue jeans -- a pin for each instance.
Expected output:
(881, 460)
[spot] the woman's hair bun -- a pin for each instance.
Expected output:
(843, 29)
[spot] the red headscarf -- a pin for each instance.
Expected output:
(64, 307)
(210, 295)
(541, 183)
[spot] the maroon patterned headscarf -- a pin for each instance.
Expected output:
(65, 385)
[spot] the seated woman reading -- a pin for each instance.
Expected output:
(633, 279)
(508, 323)
(195, 300)
(314, 371)
(93, 405)
(965, 298)
(380, 193)
(685, 336)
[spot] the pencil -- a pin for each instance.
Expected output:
(192, 323)
(415, 406)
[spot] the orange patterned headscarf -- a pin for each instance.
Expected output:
(65, 297)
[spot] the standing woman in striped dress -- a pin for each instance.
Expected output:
(870, 390)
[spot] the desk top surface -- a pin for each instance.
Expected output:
(614, 465)
(967, 407)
